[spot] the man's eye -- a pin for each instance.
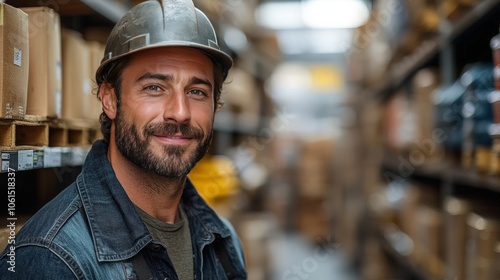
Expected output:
(197, 92)
(152, 88)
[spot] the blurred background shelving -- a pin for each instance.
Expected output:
(359, 138)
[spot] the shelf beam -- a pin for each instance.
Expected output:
(46, 157)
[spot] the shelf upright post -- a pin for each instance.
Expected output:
(446, 57)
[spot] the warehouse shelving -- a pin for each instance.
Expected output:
(443, 173)
(397, 244)
(449, 51)
(431, 49)
(110, 10)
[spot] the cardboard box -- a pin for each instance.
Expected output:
(77, 86)
(424, 84)
(45, 77)
(430, 241)
(315, 164)
(456, 211)
(482, 245)
(14, 56)
(312, 218)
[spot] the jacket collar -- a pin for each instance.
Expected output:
(116, 227)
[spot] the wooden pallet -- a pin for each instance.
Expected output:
(15, 134)
(66, 133)
(36, 132)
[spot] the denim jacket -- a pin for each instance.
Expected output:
(58, 242)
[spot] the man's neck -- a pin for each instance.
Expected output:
(156, 195)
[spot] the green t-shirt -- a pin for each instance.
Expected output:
(177, 238)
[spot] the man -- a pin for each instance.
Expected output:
(132, 213)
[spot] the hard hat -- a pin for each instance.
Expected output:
(163, 23)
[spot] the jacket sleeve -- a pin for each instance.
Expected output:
(34, 262)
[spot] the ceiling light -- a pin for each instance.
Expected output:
(321, 14)
(334, 14)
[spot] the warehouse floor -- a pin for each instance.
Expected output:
(294, 257)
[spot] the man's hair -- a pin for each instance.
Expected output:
(113, 76)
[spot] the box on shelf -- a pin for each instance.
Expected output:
(429, 242)
(482, 159)
(456, 211)
(45, 77)
(313, 218)
(495, 156)
(375, 263)
(314, 168)
(77, 86)
(424, 84)
(483, 238)
(14, 56)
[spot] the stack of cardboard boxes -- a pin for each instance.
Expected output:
(46, 77)
(47, 73)
(314, 182)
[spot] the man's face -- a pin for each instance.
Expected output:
(165, 117)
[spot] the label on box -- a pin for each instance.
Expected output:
(25, 160)
(18, 57)
(21, 111)
(52, 157)
(5, 162)
(8, 111)
(37, 159)
(9, 159)
(5, 165)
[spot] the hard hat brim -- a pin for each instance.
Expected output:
(217, 56)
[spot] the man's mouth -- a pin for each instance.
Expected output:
(174, 134)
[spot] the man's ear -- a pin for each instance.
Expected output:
(108, 99)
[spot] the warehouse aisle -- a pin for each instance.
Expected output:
(294, 257)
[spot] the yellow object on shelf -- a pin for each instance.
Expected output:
(215, 178)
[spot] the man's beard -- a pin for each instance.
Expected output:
(171, 164)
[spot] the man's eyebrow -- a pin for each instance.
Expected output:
(161, 77)
(196, 80)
